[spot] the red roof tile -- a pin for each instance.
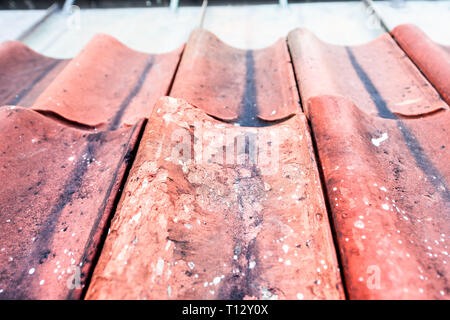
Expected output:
(234, 84)
(381, 133)
(108, 83)
(24, 74)
(222, 225)
(432, 59)
(59, 187)
(324, 69)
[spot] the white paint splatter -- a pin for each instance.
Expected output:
(376, 141)
(359, 224)
(216, 280)
(136, 217)
(159, 267)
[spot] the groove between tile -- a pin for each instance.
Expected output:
(324, 187)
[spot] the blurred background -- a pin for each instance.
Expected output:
(44, 4)
(62, 28)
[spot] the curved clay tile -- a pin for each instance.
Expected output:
(109, 84)
(432, 59)
(388, 185)
(383, 143)
(225, 222)
(24, 74)
(324, 69)
(233, 84)
(59, 187)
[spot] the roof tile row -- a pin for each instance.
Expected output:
(198, 184)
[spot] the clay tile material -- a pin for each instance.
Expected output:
(24, 74)
(432, 59)
(207, 214)
(59, 185)
(109, 84)
(384, 156)
(233, 84)
(325, 69)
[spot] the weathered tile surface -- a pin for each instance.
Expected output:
(224, 200)
(366, 74)
(234, 219)
(24, 74)
(382, 137)
(248, 86)
(59, 185)
(432, 59)
(109, 85)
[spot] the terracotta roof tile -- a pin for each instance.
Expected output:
(432, 59)
(24, 74)
(324, 69)
(381, 133)
(222, 225)
(234, 84)
(60, 185)
(109, 84)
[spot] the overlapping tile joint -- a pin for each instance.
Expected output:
(301, 171)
